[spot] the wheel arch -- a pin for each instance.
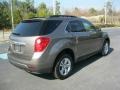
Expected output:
(68, 51)
(107, 39)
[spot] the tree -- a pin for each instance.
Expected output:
(57, 8)
(5, 21)
(92, 11)
(43, 11)
(101, 12)
(109, 7)
(23, 10)
(76, 12)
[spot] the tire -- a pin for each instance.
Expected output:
(63, 66)
(105, 48)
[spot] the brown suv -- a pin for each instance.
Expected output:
(54, 44)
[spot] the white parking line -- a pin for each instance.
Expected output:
(3, 56)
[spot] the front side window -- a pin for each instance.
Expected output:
(88, 26)
(75, 26)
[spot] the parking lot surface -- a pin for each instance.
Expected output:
(95, 73)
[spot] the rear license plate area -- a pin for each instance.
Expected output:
(17, 48)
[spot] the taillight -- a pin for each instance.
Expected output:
(41, 43)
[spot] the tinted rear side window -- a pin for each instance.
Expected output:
(35, 28)
(49, 26)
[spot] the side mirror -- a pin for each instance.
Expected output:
(98, 29)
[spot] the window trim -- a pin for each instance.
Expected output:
(66, 27)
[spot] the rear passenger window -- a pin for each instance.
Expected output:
(49, 26)
(35, 27)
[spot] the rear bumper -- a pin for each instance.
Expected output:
(32, 66)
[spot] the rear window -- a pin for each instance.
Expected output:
(35, 28)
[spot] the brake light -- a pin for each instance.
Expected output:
(41, 43)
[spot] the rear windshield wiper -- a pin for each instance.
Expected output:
(15, 33)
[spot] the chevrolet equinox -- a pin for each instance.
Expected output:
(55, 44)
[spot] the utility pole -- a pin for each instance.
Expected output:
(108, 8)
(12, 20)
(112, 14)
(54, 7)
(105, 11)
(105, 15)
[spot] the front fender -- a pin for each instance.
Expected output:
(105, 36)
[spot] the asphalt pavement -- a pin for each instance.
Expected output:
(95, 73)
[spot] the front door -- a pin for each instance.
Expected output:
(81, 37)
(95, 37)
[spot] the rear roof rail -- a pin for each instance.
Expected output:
(67, 16)
(37, 17)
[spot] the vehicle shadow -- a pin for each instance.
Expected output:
(78, 66)
(84, 63)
